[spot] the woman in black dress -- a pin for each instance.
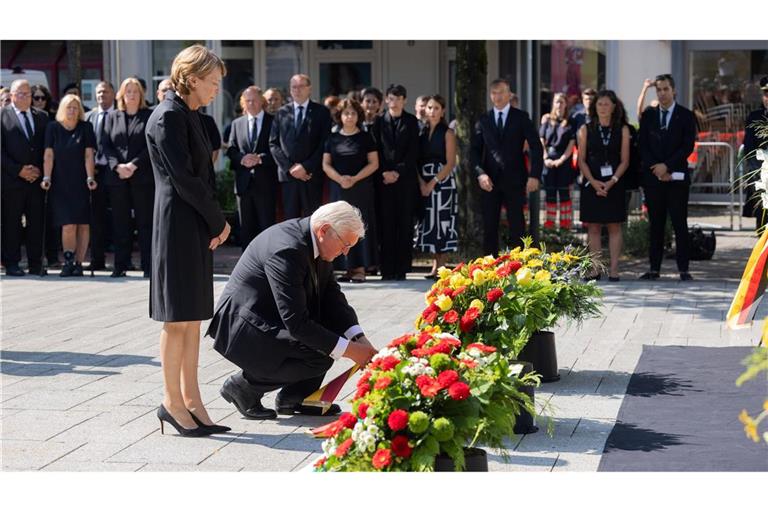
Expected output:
(68, 169)
(188, 224)
(558, 139)
(603, 159)
(437, 158)
(130, 179)
(350, 159)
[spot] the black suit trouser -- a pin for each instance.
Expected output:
(300, 198)
(99, 216)
(257, 212)
(669, 198)
(27, 201)
(141, 198)
(396, 222)
(513, 198)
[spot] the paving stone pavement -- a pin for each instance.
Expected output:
(81, 379)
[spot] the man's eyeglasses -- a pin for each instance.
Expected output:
(38, 98)
(345, 244)
(21, 94)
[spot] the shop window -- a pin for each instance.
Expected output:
(339, 78)
(283, 61)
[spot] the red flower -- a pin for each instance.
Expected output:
(472, 268)
(400, 446)
(451, 317)
(419, 352)
(362, 390)
(459, 290)
(482, 348)
(459, 391)
(447, 377)
(320, 462)
(441, 347)
(399, 341)
(423, 338)
(334, 429)
(494, 294)
(515, 266)
(458, 267)
(467, 322)
(364, 378)
(429, 309)
(383, 382)
(430, 318)
(423, 380)
(348, 420)
(451, 341)
(397, 420)
(385, 363)
(428, 386)
(382, 458)
(469, 363)
(343, 448)
(503, 257)
(362, 410)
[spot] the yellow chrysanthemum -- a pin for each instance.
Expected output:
(555, 258)
(488, 260)
(542, 275)
(524, 276)
(444, 302)
(478, 277)
(535, 263)
(477, 303)
(444, 272)
(530, 252)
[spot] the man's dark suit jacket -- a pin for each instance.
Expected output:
(305, 145)
(17, 150)
(278, 294)
(671, 146)
(398, 151)
(123, 144)
(265, 175)
(501, 156)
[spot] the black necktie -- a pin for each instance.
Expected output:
(500, 123)
(664, 119)
(300, 117)
(254, 135)
(27, 125)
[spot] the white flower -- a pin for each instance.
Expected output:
(387, 351)
(762, 184)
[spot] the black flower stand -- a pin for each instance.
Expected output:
(475, 460)
(524, 422)
(542, 353)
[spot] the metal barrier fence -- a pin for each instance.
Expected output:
(710, 171)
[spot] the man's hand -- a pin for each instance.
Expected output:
(298, 172)
(124, 171)
(360, 351)
(485, 182)
(647, 83)
(659, 170)
(390, 177)
(250, 160)
(532, 186)
(29, 173)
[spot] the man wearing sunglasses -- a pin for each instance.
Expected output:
(282, 317)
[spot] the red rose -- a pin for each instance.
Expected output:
(320, 462)
(451, 317)
(423, 338)
(494, 294)
(382, 458)
(397, 420)
(467, 322)
(382, 382)
(348, 420)
(400, 446)
(459, 391)
(362, 390)
(362, 410)
(447, 377)
(482, 348)
(402, 340)
(343, 448)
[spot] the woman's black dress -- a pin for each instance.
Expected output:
(556, 140)
(603, 149)
(186, 214)
(349, 154)
(69, 196)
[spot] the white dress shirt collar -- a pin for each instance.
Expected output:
(296, 106)
(504, 112)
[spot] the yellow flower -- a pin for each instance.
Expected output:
(514, 252)
(531, 251)
(478, 277)
(765, 405)
(535, 263)
(444, 272)
(524, 276)
(456, 280)
(555, 258)
(542, 275)
(488, 260)
(477, 303)
(750, 427)
(429, 300)
(444, 302)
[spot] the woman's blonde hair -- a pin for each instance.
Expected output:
(61, 113)
(121, 93)
(554, 115)
(195, 60)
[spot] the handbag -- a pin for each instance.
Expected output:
(702, 244)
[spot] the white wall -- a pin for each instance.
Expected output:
(415, 66)
(630, 62)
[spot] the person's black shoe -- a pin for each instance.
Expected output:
(35, 270)
(147, 274)
(400, 277)
(118, 272)
(648, 276)
(67, 270)
(163, 415)
(343, 279)
(614, 279)
(389, 277)
(14, 271)
(96, 265)
(685, 276)
(307, 410)
(77, 271)
(215, 429)
(251, 408)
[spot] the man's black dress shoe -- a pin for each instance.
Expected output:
(96, 265)
(389, 277)
(35, 270)
(650, 276)
(14, 271)
(118, 273)
(685, 276)
(307, 410)
(250, 407)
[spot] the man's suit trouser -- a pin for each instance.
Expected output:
(99, 216)
(301, 199)
(396, 221)
(514, 199)
(27, 201)
(672, 198)
(257, 213)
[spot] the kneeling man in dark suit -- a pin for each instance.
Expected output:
(282, 317)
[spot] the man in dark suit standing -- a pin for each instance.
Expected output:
(105, 103)
(22, 140)
(497, 159)
(297, 142)
(667, 137)
(397, 137)
(753, 205)
(255, 169)
(282, 317)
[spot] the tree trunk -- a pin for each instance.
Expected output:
(73, 63)
(471, 71)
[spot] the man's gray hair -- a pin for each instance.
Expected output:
(342, 216)
(18, 83)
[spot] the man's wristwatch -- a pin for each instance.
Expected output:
(357, 336)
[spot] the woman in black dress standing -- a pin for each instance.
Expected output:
(350, 159)
(188, 225)
(603, 159)
(437, 156)
(68, 169)
(558, 139)
(130, 179)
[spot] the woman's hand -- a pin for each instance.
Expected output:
(347, 182)
(600, 188)
(91, 184)
(219, 240)
(45, 184)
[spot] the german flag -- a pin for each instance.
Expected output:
(325, 396)
(751, 288)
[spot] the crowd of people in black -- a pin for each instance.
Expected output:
(63, 168)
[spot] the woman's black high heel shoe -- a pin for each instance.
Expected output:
(164, 415)
(214, 429)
